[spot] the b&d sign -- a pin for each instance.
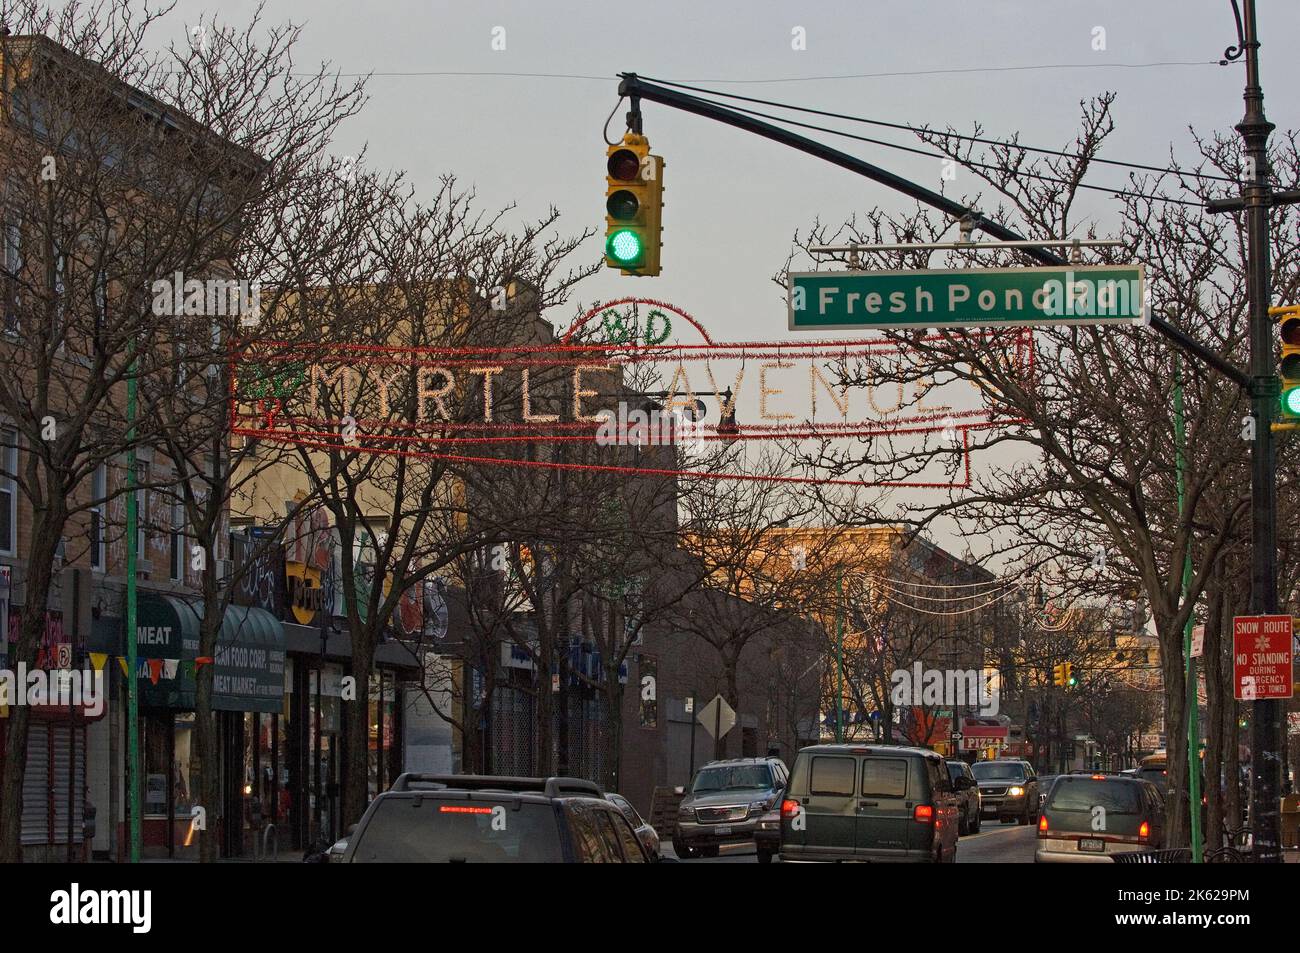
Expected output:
(1261, 657)
(974, 297)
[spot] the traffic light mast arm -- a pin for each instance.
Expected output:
(637, 89)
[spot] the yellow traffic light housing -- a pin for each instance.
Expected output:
(1058, 675)
(633, 206)
(1069, 675)
(1288, 368)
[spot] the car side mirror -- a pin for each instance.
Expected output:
(679, 790)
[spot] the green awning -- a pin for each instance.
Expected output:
(249, 657)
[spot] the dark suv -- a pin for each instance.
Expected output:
(729, 802)
(1008, 790)
(476, 819)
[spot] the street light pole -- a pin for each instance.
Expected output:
(1257, 198)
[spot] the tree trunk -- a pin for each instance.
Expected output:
(732, 694)
(355, 793)
(1171, 656)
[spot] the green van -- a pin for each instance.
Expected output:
(869, 803)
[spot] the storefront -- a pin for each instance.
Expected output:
(318, 713)
(249, 701)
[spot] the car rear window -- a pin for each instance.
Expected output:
(1083, 794)
(832, 776)
(884, 777)
(433, 830)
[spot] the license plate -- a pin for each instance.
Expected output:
(1092, 844)
(724, 829)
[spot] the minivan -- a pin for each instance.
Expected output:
(869, 803)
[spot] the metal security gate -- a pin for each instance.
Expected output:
(54, 786)
(511, 730)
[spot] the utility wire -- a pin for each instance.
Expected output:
(920, 130)
(968, 163)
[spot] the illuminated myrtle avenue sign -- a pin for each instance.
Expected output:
(976, 297)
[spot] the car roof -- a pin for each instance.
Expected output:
(906, 750)
(525, 788)
(766, 760)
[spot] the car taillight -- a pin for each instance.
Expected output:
(789, 807)
(1042, 823)
(1144, 831)
(923, 813)
(455, 809)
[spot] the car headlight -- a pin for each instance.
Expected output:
(686, 813)
(1016, 791)
(762, 807)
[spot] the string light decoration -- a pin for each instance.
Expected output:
(436, 439)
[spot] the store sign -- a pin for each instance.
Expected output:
(260, 572)
(1262, 657)
(248, 664)
(304, 592)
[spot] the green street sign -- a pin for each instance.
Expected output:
(970, 298)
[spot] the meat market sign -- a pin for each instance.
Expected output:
(975, 297)
(1261, 657)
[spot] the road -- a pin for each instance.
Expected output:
(999, 844)
(995, 844)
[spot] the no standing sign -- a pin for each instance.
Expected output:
(1261, 657)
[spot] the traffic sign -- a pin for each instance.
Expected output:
(968, 298)
(1198, 641)
(717, 717)
(1261, 656)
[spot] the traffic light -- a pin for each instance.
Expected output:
(1070, 680)
(633, 206)
(1058, 675)
(1288, 329)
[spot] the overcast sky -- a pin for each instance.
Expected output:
(732, 200)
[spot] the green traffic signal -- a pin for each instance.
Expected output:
(1291, 402)
(624, 246)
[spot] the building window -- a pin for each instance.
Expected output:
(8, 490)
(98, 494)
(178, 541)
(141, 507)
(12, 258)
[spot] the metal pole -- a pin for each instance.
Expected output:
(1193, 714)
(690, 772)
(633, 85)
(839, 659)
(1256, 196)
(132, 681)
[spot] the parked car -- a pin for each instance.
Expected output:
(1091, 818)
(731, 802)
(1045, 782)
(869, 803)
(479, 819)
(646, 834)
(968, 796)
(1009, 790)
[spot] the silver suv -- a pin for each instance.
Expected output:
(729, 802)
